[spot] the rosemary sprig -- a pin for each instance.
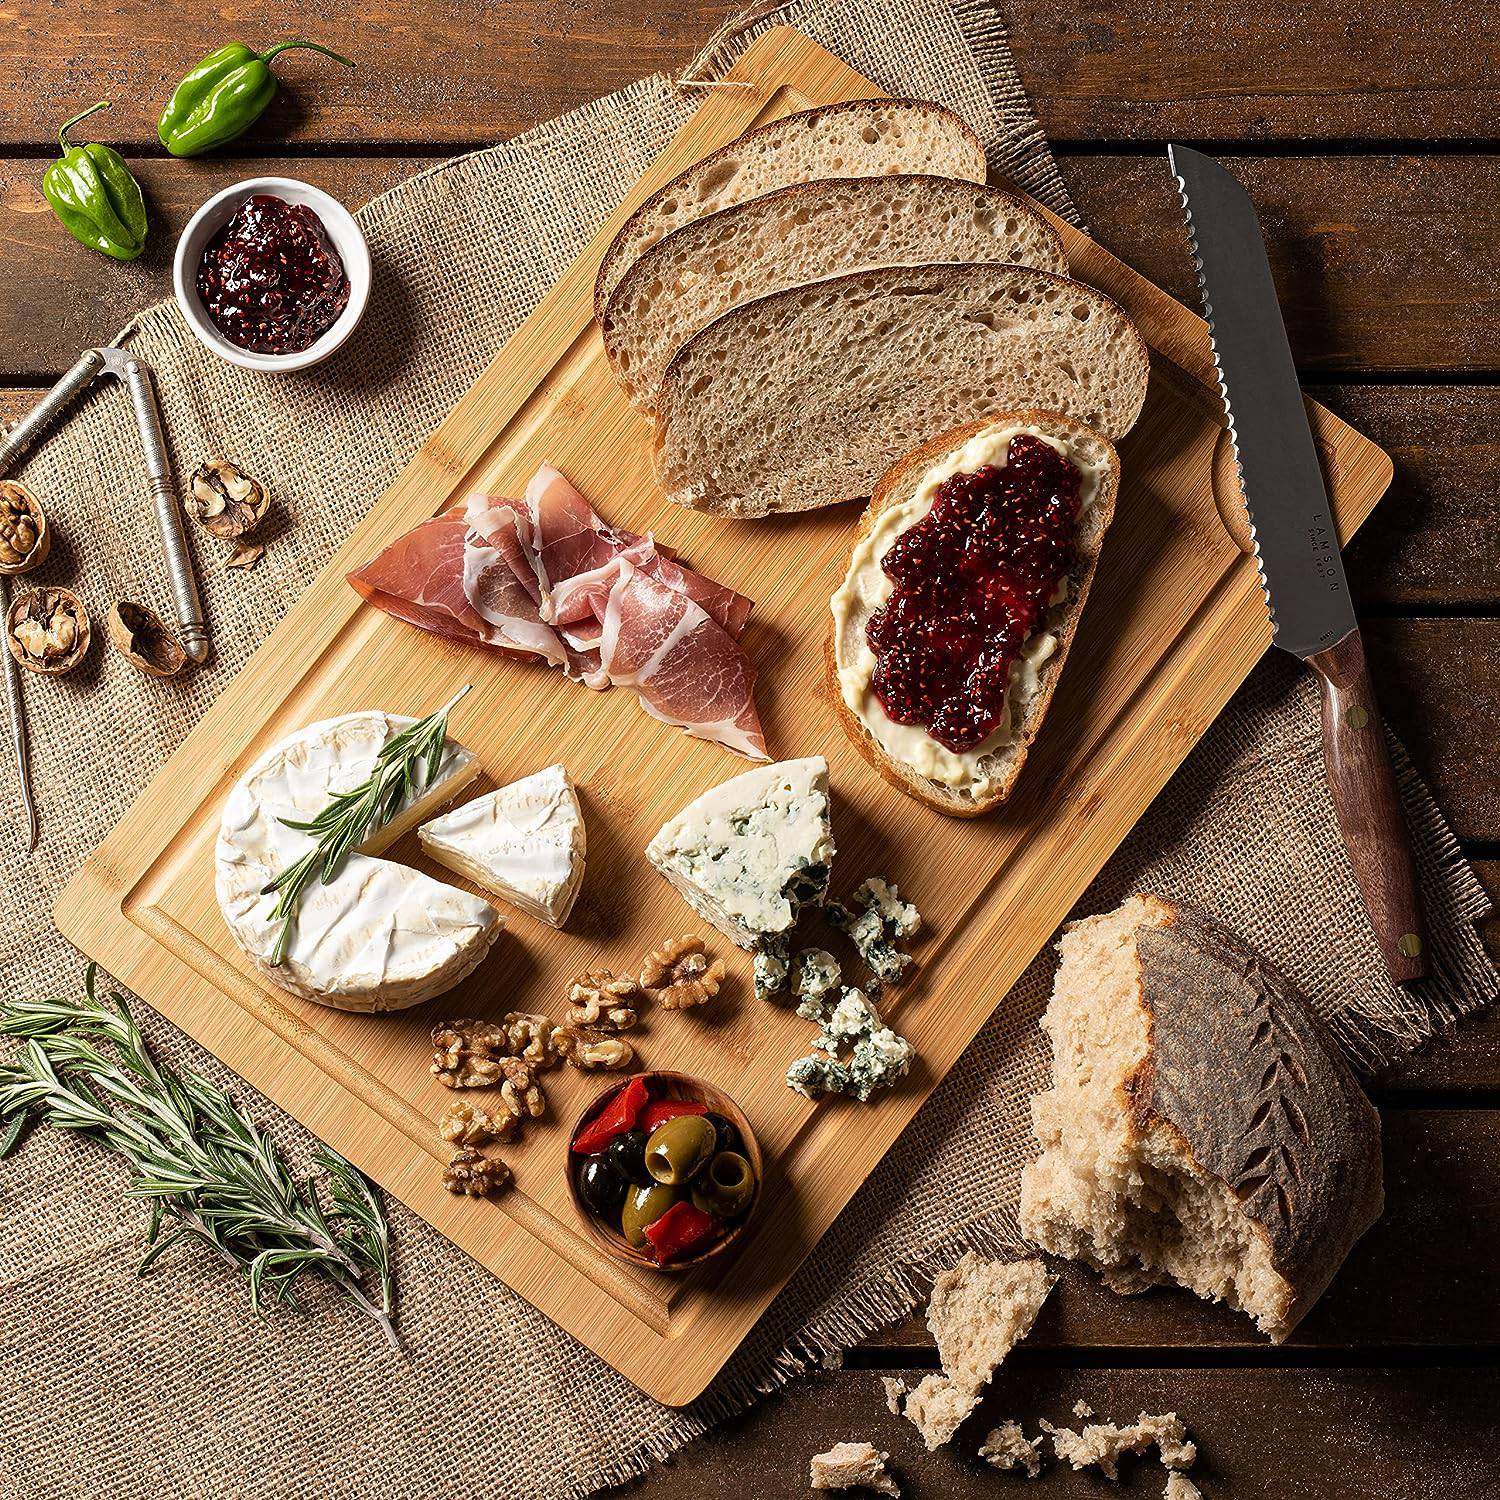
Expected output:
(344, 823)
(208, 1171)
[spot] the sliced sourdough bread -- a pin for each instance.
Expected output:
(972, 783)
(805, 397)
(800, 234)
(859, 138)
(1202, 1126)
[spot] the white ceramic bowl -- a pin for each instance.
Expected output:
(212, 217)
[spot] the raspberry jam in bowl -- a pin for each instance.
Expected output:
(973, 579)
(272, 274)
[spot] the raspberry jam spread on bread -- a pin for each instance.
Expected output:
(973, 579)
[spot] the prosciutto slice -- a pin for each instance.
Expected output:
(546, 576)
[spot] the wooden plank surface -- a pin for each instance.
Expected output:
(461, 71)
(1386, 1432)
(1341, 232)
(1442, 1212)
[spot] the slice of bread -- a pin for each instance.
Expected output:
(997, 765)
(799, 234)
(1202, 1126)
(805, 397)
(860, 138)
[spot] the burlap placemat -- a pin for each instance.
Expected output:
(118, 1387)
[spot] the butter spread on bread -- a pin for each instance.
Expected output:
(970, 780)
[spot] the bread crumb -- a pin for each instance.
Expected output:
(894, 1390)
(1180, 1487)
(1102, 1444)
(847, 1465)
(1081, 1408)
(979, 1310)
(1007, 1447)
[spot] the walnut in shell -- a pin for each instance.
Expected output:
(679, 974)
(225, 501)
(25, 538)
(142, 638)
(47, 630)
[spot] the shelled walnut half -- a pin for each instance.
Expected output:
(680, 975)
(25, 538)
(47, 630)
(225, 501)
(601, 1001)
(142, 638)
(474, 1174)
(593, 1051)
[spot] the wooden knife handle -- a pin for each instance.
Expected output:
(1369, 812)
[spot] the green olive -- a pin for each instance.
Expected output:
(679, 1148)
(643, 1206)
(725, 1190)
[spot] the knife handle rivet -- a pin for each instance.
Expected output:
(1356, 718)
(1410, 945)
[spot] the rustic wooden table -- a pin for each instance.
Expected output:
(1364, 134)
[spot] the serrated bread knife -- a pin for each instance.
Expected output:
(1297, 545)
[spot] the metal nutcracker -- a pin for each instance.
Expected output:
(135, 374)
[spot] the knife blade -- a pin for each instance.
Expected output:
(1296, 543)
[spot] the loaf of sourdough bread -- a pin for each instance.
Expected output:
(800, 234)
(859, 138)
(805, 397)
(996, 763)
(1202, 1126)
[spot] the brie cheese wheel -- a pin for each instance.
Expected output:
(378, 936)
(750, 853)
(524, 843)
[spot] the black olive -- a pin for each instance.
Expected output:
(627, 1155)
(728, 1136)
(600, 1186)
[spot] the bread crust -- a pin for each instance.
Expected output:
(1245, 1074)
(618, 246)
(897, 485)
(652, 260)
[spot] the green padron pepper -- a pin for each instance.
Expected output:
(92, 192)
(223, 97)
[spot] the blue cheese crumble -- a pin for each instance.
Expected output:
(815, 975)
(878, 929)
(876, 1056)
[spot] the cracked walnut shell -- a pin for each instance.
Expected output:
(142, 638)
(25, 538)
(474, 1174)
(225, 501)
(601, 1001)
(47, 630)
(680, 975)
(593, 1051)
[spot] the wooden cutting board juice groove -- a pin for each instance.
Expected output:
(1175, 622)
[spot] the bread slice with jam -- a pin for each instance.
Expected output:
(928, 658)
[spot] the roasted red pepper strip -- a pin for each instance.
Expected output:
(681, 1229)
(667, 1109)
(614, 1119)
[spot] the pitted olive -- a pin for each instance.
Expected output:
(726, 1188)
(643, 1206)
(680, 1148)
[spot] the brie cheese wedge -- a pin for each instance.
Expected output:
(378, 936)
(750, 853)
(524, 843)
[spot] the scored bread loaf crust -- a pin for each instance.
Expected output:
(805, 397)
(1203, 1126)
(857, 138)
(799, 234)
(896, 486)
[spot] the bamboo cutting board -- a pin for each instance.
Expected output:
(1174, 623)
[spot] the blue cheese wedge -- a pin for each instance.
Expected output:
(379, 936)
(748, 855)
(524, 843)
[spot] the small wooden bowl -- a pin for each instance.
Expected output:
(666, 1085)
